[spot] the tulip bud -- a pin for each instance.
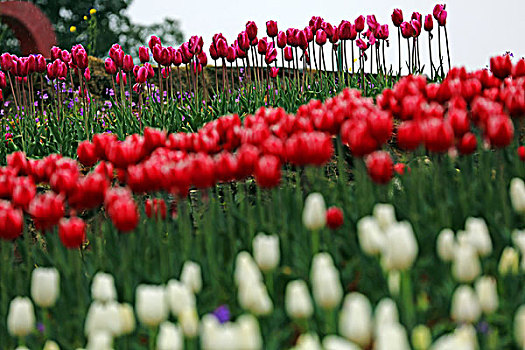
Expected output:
(429, 23)
(393, 336)
(298, 303)
(400, 249)
(334, 218)
(371, 238)
(253, 296)
(517, 195)
(189, 322)
(249, 333)
(508, 262)
(326, 285)
(266, 251)
(519, 326)
(179, 297)
(355, 320)
(334, 342)
(487, 293)
(45, 286)
(478, 235)
(169, 337)
(100, 341)
(314, 212)
(421, 337)
(246, 269)
(445, 245)
(465, 266)
(21, 317)
(465, 305)
(103, 287)
(51, 345)
(385, 215)
(150, 304)
(385, 313)
(308, 341)
(103, 317)
(127, 318)
(191, 276)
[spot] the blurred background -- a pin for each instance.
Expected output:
(478, 29)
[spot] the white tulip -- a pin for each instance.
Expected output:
(189, 322)
(191, 276)
(298, 303)
(21, 317)
(222, 336)
(518, 238)
(487, 292)
(466, 266)
(385, 313)
(127, 318)
(400, 249)
(246, 269)
(314, 212)
(45, 286)
(100, 341)
(479, 235)
(254, 297)
(266, 251)
(249, 333)
(509, 262)
(519, 326)
(517, 195)
(327, 288)
(463, 338)
(391, 336)
(103, 317)
(150, 304)
(169, 337)
(355, 320)
(51, 345)
(445, 245)
(385, 215)
(103, 287)
(308, 341)
(334, 342)
(371, 238)
(394, 282)
(179, 297)
(465, 305)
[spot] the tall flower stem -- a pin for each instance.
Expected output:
(440, 54)
(448, 52)
(399, 42)
(430, 55)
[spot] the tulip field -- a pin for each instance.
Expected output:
(267, 199)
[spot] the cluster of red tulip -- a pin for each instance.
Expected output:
(439, 117)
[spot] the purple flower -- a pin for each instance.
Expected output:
(222, 313)
(40, 326)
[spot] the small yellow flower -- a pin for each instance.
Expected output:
(85, 18)
(92, 11)
(72, 29)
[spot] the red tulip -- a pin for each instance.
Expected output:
(401, 168)
(72, 232)
(380, 167)
(320, 37)
(231, 55)
(357, 136)
(86, 153)
(501, 66)
(281, 40)
(87, 74)
(251, 30)
(270, 56)
(437, 9)
(268, 171)
(110, 66)
(397, 17)
(438, 135)
(143, 54)
(500, 130)
(406, 30)
(359, 24)
(46, 210)
(142, 75)
(521, 153)
(288, 54)
(458, 119)
(124, 214)
(361, 44)
(467, 144)
(153, 41)
(519, 69)
(17, 161)
(128, 63)
(262, 45)
(271, 29)
(442, 18)
(23, 192)
(155, 207)
(334, 218)
(274, 71)
(429, 23)
(243, 41)
(11, 221)
(345, 30)
(122, 77)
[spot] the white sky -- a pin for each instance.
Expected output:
(477, 29)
